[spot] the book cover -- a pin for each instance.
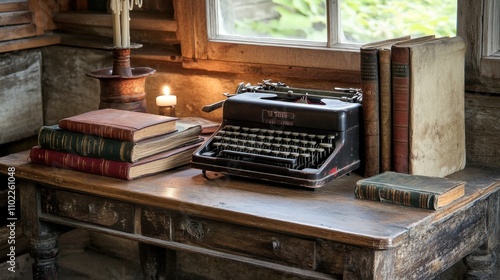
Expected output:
(370, 86)
(207, 126)
(385, 90)
(401, 79)
(437, 107)
(116, 169)
(55, 138)
(119, 124)
(410, 190)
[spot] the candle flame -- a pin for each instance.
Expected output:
(166, 90)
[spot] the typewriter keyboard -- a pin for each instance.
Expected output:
(290, 149)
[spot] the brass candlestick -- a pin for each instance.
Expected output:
(122, 87)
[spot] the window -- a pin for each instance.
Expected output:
(490, 51)
(332, 63)
(327, 22)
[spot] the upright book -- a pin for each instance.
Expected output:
(370, 86)
(119, 124)
(116, 169)
(385, 89)
(410, 190)
(55, 138)
(428, 97)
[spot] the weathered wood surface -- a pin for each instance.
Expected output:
(287, 229)
(482, 112)
(20, 95)
(331, 212)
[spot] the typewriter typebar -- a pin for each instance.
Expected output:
(287, 138)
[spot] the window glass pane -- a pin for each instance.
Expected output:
(361, 21)
(372, 20)
(278, 19)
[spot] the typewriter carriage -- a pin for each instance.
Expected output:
(252, 107)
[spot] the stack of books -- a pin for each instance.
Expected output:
(413, 105)
(117, 143)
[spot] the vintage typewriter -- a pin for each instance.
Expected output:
(287, 135)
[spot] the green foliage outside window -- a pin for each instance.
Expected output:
(362, 20)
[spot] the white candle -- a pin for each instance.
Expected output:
(166, 99)
(116, 8)
(125, 18)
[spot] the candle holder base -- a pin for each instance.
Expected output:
(122, 87)
(166, 111)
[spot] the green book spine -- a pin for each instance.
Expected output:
(55, 138)
(396, 196)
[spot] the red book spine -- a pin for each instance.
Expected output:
(98, 130)
(97, 166)
(401, 108)
(370, 88)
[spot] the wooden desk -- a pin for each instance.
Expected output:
(326, 233)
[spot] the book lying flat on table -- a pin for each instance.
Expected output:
(207, 126)
(55, 138)
(116, 169)
(410, 190)
(119, 124)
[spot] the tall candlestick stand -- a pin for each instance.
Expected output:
(122, 87)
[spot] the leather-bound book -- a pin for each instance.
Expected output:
(429, 130)
(410, 190)
(116, 169)
(119, 124)
(401, 90)
(370, 86)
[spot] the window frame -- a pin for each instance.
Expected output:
(335, 63)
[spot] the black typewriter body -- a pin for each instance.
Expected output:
(272, 137)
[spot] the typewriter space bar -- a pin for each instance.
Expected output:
(259, 158)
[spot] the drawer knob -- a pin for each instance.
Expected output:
(195, 229)
(276, 245)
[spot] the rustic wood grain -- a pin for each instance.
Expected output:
(112, 214)
(245, 240)
(304, 232)
(323, 213)
(17, 31)
(21, 95)
(17, 17)
(482, 112)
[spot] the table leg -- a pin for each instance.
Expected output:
(483, 263)
(480, 264)
(44, 251)
(157, 262)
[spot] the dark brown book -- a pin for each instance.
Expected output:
(371, 103)
(116, 169)
(119, 124)
(410, 190)
(385, 89)
(400, 66)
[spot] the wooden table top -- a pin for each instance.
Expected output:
(331, 212)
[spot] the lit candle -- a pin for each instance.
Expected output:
(166, 99)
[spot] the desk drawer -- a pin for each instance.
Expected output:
(244, 241)
(90, 209)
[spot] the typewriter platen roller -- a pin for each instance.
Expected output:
(288, 135)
